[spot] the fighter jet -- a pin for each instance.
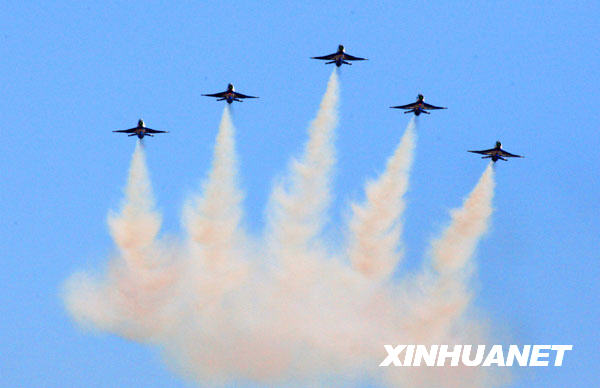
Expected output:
(229, 95)
(141, 130)
(418, 107)
(339, 57)
(496, 153)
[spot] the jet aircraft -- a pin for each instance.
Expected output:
(496, 153)
(339, 57)
(418, 107)
(141, 130)
(229, 95)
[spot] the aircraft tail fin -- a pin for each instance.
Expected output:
(327, 63)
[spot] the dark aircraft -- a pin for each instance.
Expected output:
(141, 130)
(418, 107)
(496, 153)
(229, 95)
(339, 57)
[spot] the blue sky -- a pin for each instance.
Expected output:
(524, 73)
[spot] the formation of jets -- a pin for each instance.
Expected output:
(340, 57)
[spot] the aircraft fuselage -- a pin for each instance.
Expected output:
(419, 109)
(140, 132)
(495, 157)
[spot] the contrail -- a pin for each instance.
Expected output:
(375, 225)
(297, 211)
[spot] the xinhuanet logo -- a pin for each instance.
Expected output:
(479, 355)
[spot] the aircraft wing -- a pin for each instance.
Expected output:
(150, 130)
(222, 94)
(130, 130)
(429, 106)
(240, 95)
(484, 152)
(353, 58)
(504, 153)
(326, 57)
(407, 106)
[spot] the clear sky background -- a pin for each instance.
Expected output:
(522, 72)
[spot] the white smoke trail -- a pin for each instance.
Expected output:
(442, 312)
(213, 220)
(375, 225)
(453, 251)
(130, 298)
(457, 244)
(447, 293)
(214, 269)
(297, 212)
(222, 317)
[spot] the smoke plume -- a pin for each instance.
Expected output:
(298, 205)
(288, 308)
(375, 225)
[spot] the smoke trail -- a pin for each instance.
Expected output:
(129, 299)
(213, 220)
(375, 225)
(136, 227)
(447, 295)
(221, 316)
(297, 212)
(456, 246)
(214, 268)
(441, 312)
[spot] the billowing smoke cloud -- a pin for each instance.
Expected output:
(288, 308)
